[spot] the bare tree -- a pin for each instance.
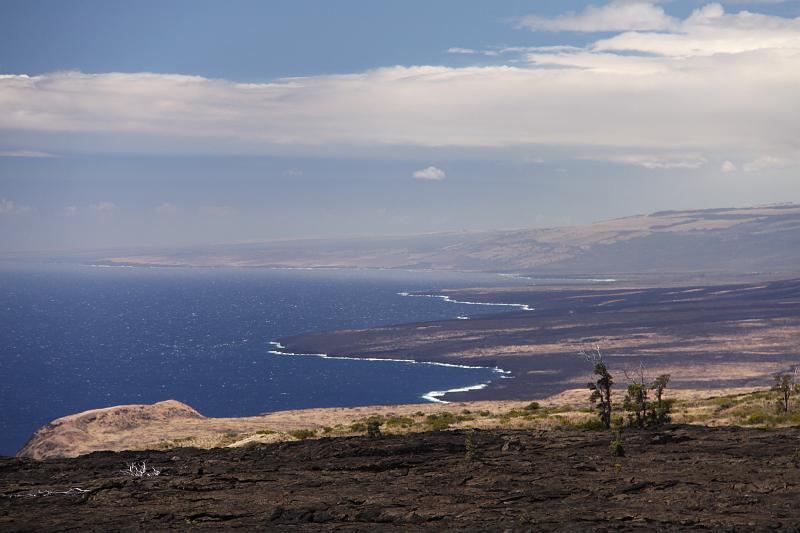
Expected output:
(601, 387)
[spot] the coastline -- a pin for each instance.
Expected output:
(434, 396)
(448, 299)
(707, 336)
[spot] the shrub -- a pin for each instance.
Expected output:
(759, 417)
(440, 421)
(533, 406)
(439, 424)
(374, 429)
(399, 421)
(470, 446)
(589, 424)
(616, 448)
(302, 434)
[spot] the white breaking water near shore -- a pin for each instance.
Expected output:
(432, 396)
(524, 307)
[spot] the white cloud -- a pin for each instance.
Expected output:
(728, 167)
(472, 52)
(9, 207)
(656, 162)
(293, 172)
(619, 15)
(23, 153)
(718, 85)
(709, 31)
(104, 207)
(766, 162)
(71, 211)
(430, 173)
(166, 208)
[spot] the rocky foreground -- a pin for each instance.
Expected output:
(678, 477)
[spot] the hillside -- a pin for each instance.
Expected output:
(746, 240)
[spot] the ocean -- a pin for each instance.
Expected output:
(77, 337)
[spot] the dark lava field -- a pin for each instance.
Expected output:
(674, 478)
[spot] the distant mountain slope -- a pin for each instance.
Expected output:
(740, 240)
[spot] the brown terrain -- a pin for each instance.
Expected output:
(503, 464)
(740, 241)
(707, 336)
(171, 424)
(673, 478)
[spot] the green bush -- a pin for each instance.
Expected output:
(533, 406)
(399, 421)
(759, 417)
(439, 425)
(374, 429)
(441, 421)
(616, 448)
(301, 434)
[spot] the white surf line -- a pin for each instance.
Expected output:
(524, 307)
(435, 396)
(432, 396)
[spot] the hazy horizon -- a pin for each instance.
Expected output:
(186, 123)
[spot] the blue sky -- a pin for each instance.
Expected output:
(184, 122)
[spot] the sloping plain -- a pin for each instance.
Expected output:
(745, 240)
(707, 336)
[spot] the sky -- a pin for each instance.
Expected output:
(186, 122)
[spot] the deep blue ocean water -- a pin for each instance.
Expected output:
(78, 337)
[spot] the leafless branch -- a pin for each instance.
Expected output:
(632, 376)
(75, 491)
(139, 469)
(594, 356)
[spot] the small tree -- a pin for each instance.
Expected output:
(635, 401)
(601, 387)
(659, 384)
(659, 411)
(785, 385)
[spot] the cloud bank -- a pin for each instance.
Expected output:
(619, 15)
(662, 93)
